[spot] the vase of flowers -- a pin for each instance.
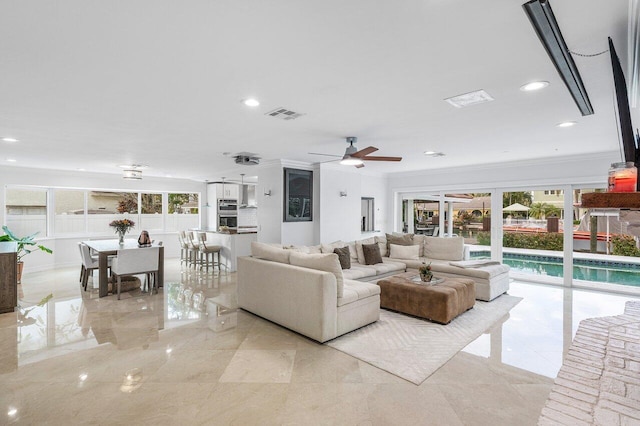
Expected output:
(425, 272)
(122, 226)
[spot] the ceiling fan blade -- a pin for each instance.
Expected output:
(365, 151)
(326, 155)
(359, 166)
(381, 158)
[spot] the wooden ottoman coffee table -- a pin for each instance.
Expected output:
(436, 302)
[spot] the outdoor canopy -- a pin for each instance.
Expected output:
(517, 207)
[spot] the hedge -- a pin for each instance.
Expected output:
(623, 245)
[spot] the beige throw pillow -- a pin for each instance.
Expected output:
(444, 248)
(418, 240)
(400, 240)
(404, 252)
(269, 252)
(382, 243)
(322, 262)
(328, 248)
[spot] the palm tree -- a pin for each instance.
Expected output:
(542, 210)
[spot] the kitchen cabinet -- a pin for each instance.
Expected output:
(228, 191)
(8, 277)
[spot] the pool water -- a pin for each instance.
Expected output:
(597, 271)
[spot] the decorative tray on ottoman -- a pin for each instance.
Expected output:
(434, 280)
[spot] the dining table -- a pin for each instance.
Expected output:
(106, 248)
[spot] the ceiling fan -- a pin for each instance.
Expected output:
(353, 157)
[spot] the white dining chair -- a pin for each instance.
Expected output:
(137, 261)
(89, 264)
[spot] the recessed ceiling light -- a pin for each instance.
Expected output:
(10, 140)
(11, 160)
(82, 170)
(251, 102)
(434, 154)
(534, 85)
(566, 124)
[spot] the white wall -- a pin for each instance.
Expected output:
(377, 188)
(270, 178)
(339, 216)
(65, 249)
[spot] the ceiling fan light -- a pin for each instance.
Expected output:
(350, 161)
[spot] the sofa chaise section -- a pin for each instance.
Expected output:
(305, 300)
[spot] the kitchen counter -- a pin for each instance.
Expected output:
(233, 245)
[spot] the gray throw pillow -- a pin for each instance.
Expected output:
(344, 256)
(371, 254)
(399, 240)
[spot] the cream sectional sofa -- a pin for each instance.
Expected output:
(306, 290)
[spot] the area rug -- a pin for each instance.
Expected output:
(413, 348)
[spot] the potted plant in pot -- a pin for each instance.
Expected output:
(26, 245)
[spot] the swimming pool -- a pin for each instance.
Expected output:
(583, 269)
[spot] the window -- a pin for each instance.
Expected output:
(183, 211)
(26, 211)
(150, 211)
(70, 216)
(105, 206)
(298, 195)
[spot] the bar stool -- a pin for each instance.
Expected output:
(206, 250)
(194, 249)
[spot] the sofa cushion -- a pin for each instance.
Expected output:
(419, 241)
(358, 271)
(404, 252)
(387, 266)
(323, 262)
(401, 240)
(328, 248)
(269, 252)
(371, 254)
(356, 290)
(444, 248)
(359, 251)
(343, 256)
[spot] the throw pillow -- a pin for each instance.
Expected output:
(315, 249)
(444, 248)
(343, 256)
(382, 243)
(328, 248)
(418, 240)
(322, 262)
(400, 240)
(359, 245)
(353, 251)
(404, 252)
(269, 252)
(371, 254)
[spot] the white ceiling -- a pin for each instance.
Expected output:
(94, 84)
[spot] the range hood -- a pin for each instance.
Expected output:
(247, 195)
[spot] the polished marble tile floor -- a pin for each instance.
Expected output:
(187, 356)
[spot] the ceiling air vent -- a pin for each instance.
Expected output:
(284, 114)
(471, 98)
(247, 160)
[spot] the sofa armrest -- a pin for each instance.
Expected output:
(466, 254)
(301, 299)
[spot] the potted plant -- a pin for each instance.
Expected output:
(26, 245)
(425, 272)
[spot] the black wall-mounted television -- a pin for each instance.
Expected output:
(628, 140)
